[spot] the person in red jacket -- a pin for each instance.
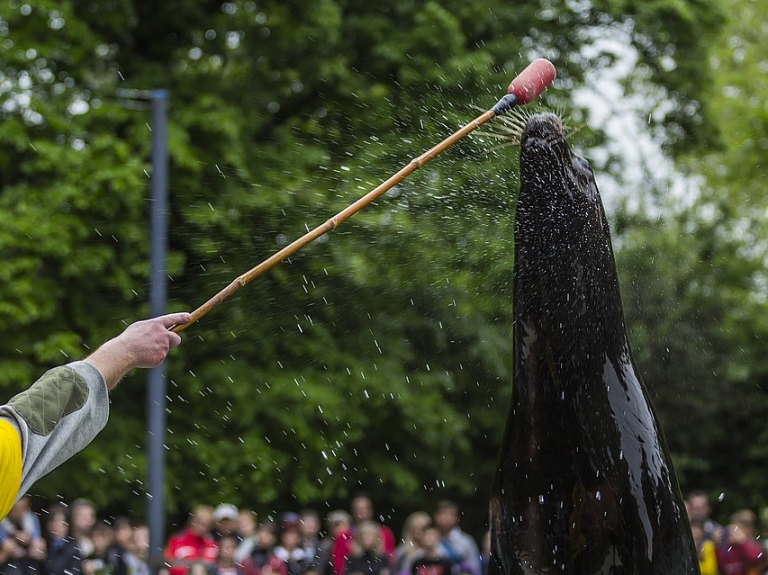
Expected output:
(362, 511)
(361, 507)
(740, 554)
(194, 545)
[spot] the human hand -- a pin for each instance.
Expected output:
(8, 548)
(38, 549)
(22, 538)
(13, 549)
(142, 344)
(149, 341)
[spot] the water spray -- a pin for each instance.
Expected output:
(524, 88)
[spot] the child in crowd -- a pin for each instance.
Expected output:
(266, 538)
(368, 555)
(246, 529)
(225, 561)
(431, 562)
(741, 554)
(104, 559)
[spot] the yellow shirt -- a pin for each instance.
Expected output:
(707, 558)
(10, 466)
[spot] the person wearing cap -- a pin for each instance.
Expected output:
(63, 411)
(225, 521)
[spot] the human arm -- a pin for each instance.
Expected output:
(64, 410)
(142, 344)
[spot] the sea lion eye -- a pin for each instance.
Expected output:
(582, 166)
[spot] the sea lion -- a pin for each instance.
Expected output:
(584, 483)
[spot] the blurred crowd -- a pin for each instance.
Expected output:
(731, 549)
(226, 540)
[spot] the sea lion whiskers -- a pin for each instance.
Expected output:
(510, 127)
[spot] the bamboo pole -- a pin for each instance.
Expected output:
(333, 222)
(523, 89)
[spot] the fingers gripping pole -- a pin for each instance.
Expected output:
(524, 88)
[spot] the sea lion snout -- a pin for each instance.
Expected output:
(546, 127)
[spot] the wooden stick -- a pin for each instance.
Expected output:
(332, 223)
(523, 89)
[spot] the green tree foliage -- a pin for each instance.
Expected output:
(378, 358)
(696, 285)
(697, 327)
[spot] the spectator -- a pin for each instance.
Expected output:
(337, 523)
(430, 561)
(246, 528)
(225, 560)
(362, 511)
(21, 518)
(266, 538)
(698, 508)
(105, 558)
(705, 548)
(341, 548)
(290, 554)
(137, 556)
(741, 554)
(310, 534)
(22, 547)
(225, 521)
(455, 545)
(75, 401)
(194, 545)
(82, 515)
(64, 557)
(368, 556)
(410, 545)
(361, 507)
(122, 527)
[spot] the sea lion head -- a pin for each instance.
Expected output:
(566, 284)
(553, 175)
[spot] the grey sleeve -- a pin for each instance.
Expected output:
(57, 417)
